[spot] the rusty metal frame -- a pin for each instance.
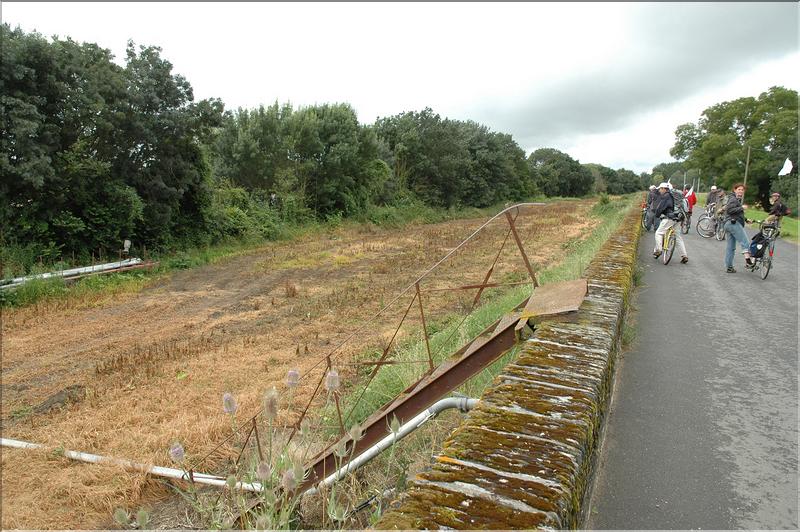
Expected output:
(423, 393)
(436, 381)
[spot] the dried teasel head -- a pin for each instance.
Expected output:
(176, 453)
(229, 405)
(292, 378)
(289, 481)
(332, 381)
(271, 404)
(305, 427)
(263, 471)
(355, 432)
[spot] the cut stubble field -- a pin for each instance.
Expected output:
(127, 378)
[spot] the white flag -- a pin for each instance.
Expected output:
(787, 167)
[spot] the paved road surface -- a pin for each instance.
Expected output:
(703, 427)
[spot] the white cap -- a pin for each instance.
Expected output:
(663, 185)
(652, 187)
(713, 187)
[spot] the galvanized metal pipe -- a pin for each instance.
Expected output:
(464, 404)
(10, 283)
(168, 472)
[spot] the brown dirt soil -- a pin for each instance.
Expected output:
(129, 377)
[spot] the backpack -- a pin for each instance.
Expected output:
(758, 245)
(680, 205)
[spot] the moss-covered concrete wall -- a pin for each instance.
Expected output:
(524, 456)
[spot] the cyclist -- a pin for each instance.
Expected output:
(777, 210)
(712, 195)
(665, 211)
(734, 227)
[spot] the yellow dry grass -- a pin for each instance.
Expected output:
(154, 365)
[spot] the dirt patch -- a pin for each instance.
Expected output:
(151, 368)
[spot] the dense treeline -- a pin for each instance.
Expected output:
(92, 153)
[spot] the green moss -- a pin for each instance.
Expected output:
(541, 416)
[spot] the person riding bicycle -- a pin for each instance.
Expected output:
(734, 226)
(711, 198)
(777, 210)
(665, 211)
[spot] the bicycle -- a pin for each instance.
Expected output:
(686, 223)
(763, 264)
(668, 245)
(719, 233)
(706, 225)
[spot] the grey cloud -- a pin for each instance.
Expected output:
(676, 50)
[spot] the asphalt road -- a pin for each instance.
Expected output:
(703, 426)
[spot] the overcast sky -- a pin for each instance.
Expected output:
(605, 82)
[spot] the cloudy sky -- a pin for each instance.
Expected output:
(605, 82)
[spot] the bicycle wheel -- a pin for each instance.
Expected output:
(669, 246)
(644, 220)
(705, 226)
(719, 234)
(766, 262)
(686, 224)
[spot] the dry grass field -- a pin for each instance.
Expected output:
(127, 378)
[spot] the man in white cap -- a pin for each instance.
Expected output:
(712, 195)
(665, 211)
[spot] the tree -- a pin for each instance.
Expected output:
(558, 174)
(92, 153)
(450, 162)
(718, 143)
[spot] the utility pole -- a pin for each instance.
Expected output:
(746, 166)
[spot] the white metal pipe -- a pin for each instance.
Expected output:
(465, 404)
(168, 472)
(74, 271)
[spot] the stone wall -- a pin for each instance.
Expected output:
(523, 457)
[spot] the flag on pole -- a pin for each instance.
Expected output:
(787, 167)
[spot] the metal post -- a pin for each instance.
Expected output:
(746, 168)
(521, 249)
(424, 327)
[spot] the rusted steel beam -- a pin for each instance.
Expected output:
(474, 286)
(521, 249)
(424, 329)
(422, 394)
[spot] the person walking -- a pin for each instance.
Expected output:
(649, 220)
(734, 228)
(691, 197)
(665, 211)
